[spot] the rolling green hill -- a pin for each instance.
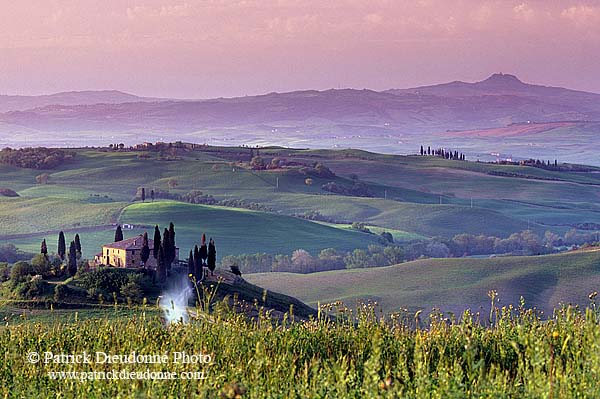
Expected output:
(243, 231)
(450, 284)
(235, 231)
(419, 196)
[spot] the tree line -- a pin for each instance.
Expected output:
(442, 153)
(34, 158)
(201, 257)
(301, 261)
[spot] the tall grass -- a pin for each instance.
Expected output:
(508, 353)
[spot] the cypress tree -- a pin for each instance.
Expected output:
(212, 256)
(166, 243)
(161, 267)
(44, 248)
(145, 253)
(172, 251)
(191, 264)
(119, 234)
(152, 195)
(203, 250)
(78, 244)
(143, 194)
(422, 150)
(72, 265)
(156, 248)
(198, 271)
(62, 246)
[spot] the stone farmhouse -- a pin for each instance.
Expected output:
(127, 253)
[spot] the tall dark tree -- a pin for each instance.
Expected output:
(203, 250)
(44, 248)
(428, 150)
(212, 256)
(198, 270)
(152, 195)
(119, 234)
(172, 245)
(161, 267)
(191, 263)
(143, 194)
(145, 253)
(422, 152)
(167, 244)
(62, 246)
(156, 248)
(72, 265)
(77, 244)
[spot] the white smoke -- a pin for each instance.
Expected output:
(174, 301)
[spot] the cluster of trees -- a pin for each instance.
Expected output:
(317, 169)
(198, 197)
(164, 251)
(34, 158)
(318, 216)
(72, 257)
(104, 283)
(142, 193)
(539, 163)
(302, 261)
(201, 257)
(10, 254)
(442, 153)
(357, 189)
(525, 243)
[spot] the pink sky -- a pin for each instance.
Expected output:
(212, 48)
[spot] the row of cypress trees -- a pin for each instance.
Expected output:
(74, 251)
(205, 256)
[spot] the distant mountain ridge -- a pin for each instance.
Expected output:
(394, 120)
(87, 97)
(496, 84)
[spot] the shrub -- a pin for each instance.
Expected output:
(132, 291)
(7, 192)
(61, 291)
(31, 289)
(21, 272)
(105, 279)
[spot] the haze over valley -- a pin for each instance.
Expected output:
(498, 117)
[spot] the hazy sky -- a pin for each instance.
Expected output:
(212, 48)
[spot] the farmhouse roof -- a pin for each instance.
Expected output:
(130, 243)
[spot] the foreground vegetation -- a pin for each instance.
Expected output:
(509, 352)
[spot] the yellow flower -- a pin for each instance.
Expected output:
(555, 334)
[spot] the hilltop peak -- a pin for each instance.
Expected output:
(503, 78)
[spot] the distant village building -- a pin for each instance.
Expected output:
(127, 253)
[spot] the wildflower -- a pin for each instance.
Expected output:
(555, 334)
(593, 295)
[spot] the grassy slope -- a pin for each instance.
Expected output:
(450, 284)
(242, 231)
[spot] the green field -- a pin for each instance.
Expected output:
(450, 284)
(239, 231)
